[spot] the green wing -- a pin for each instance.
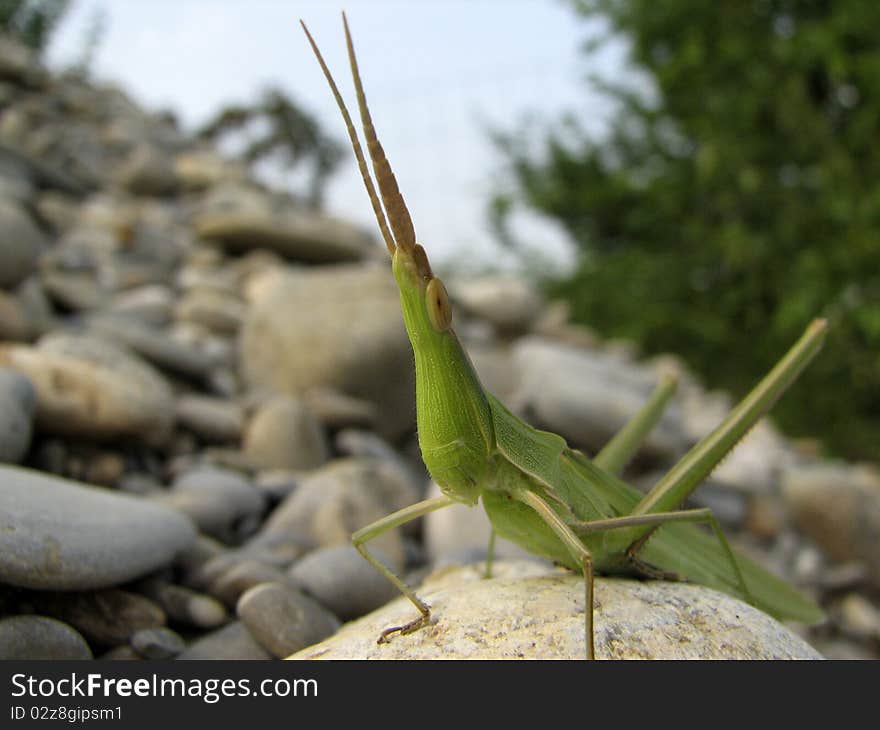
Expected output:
(592, 493)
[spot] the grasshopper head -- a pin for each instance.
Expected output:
(455, 429)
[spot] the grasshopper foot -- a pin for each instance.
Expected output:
(405, 629)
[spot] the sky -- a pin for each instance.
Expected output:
(438, 75)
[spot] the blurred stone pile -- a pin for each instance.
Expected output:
(205, 389)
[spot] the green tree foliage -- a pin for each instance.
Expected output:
(736, 196)
(278, 129)
(32, 21)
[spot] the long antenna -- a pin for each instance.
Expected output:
(356, 145)
(398, 215)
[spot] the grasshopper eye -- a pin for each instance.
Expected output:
(439, 308)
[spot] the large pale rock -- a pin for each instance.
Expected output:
(338, 327)
(587, 396)
(62, 535)
(88, 388)
(530, 611)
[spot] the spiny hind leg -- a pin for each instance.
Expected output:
(378, 527)
(705, 515)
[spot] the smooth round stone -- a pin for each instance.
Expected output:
(15, 322)
(88, 388)
(338, 410)
(59, 534)
(186, 606)
(17, 404)
(121, 654)
(158, 643)
(155, 346)
(299, 234)
(40, 637)
(151, 304)
(342, 580)
(213, 419)
(283, 434)
(74, 290)
(283, 619)
(529, 611)
(203, 169)
(21, 243)
(214, 310)
(233, 641)
(220, 502)
(335, 501)
(107, 618)
(148, 171)
(241, 577)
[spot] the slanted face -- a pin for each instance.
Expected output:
(455, 429)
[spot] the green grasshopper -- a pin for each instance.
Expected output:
(538, 492)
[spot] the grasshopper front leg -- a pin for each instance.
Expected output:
(395, 519)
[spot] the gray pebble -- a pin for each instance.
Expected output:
(17, 402)
(120, 654)
(40, 637)
(220, 502)
(15, 323)
(148, 171)
(107, 618)
(213, 419)
(277, 484)
(283, 434)
(284, 619)
(216, 311)
(154, 345)
(337, 410)
(233, 641)
(58, 534)
(335, 501)
(342, 580)
(186, 606)
(241, 577)
(151, 304)
(21, 243)
(158, 643)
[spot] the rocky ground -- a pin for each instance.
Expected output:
(205, 388)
